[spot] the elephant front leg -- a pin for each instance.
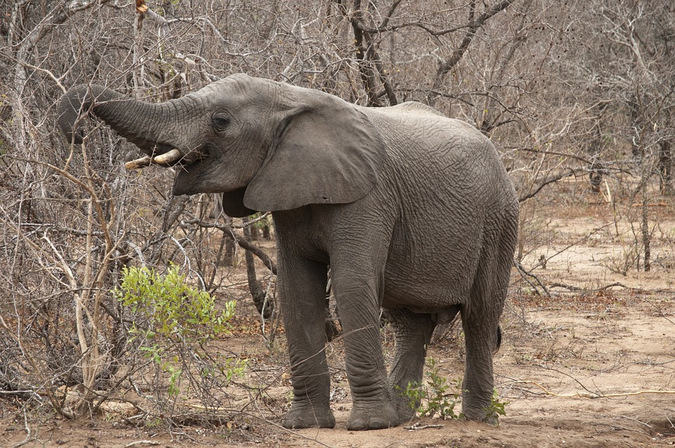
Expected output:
(302, 286)
(358, 302)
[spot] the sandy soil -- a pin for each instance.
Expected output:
(591, 365)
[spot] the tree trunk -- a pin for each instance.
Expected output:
(666, 168)
(258, 293)
(646, 237)
(229, 254)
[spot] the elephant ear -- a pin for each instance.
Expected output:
(327, 153)
(233, 204)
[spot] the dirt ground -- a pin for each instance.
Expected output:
(591, 365)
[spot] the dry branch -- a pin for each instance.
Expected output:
(586, 290)
(526, 275)
(473, 25)
(242, 242)
(594, 395)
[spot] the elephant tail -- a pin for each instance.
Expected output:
(499, 338)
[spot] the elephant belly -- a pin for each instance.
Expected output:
(428, 277)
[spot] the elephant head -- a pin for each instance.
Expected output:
(267, 146)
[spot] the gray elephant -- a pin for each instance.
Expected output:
(413, 211)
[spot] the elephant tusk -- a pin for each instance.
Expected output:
(168, 157)
(138, 163)
(165, 159)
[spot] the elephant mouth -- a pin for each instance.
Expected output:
(166, 156)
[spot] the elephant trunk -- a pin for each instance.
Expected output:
(149, 126)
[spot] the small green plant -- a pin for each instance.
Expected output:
(436, 397)
(172, 322)
(496, 407)
(439, 398)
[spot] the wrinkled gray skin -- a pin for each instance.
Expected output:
(413, 211)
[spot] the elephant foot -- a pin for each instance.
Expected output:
(479, 414)
(308, 417)
(373, 416)
(403, 406)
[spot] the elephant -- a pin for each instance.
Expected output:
(413, 212)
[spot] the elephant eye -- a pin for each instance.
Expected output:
(220, 121)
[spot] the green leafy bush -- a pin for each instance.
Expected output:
(172, 322)
(173, 308)
(437, 397)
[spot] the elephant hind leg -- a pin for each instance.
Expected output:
(482, 338)
(480, 321)
(413, 332)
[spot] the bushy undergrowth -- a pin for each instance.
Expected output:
(172, 323)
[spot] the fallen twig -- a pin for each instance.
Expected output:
(141, 442)
(417, 427)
